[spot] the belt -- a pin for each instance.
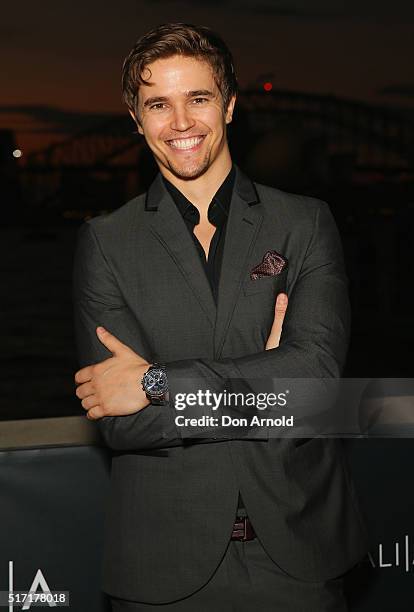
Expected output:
(243, 529)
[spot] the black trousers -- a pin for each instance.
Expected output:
(246, 580)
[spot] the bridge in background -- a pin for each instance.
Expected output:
(377, 143)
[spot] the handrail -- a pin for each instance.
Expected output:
(48, 432)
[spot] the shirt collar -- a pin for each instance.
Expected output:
(219, 207)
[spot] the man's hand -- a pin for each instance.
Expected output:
(112, 387)
(276, 331)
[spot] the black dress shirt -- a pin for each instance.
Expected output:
(218, 212)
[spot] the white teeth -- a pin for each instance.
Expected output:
(185, 143)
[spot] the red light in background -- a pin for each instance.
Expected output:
(267, 86)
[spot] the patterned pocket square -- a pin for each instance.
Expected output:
(273, 263)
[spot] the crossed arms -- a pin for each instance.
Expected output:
(314, 343)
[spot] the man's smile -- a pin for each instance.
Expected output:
(185, 144)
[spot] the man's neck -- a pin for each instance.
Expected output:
(200, 191)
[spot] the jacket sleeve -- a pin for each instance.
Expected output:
(315, 332)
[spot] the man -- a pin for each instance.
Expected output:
(177, 289)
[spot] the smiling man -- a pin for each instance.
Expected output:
(182, 289)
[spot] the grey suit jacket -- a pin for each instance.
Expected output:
(173, 499)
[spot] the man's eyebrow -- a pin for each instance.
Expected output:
(155, 100)
(199, 92)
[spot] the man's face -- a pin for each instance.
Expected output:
(181, 116)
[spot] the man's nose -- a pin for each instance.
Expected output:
(181, 119)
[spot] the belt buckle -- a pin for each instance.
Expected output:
(244, 538)
(243, 520)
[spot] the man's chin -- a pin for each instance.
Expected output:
(190, 171)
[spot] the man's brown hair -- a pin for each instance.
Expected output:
(172, 39)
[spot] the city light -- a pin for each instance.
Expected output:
(17, 153)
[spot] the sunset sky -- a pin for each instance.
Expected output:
(61, 60)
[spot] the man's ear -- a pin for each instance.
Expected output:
(230, 109)
(140, 130)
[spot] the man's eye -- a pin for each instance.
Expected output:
(157, 106)
(200, 100)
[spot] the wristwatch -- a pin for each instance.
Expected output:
(155, 384)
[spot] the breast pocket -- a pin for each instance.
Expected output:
(272, 284)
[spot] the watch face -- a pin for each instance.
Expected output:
(155, 382)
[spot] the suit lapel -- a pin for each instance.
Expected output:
(169, 228)
(242, 229)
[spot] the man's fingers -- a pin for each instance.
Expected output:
(110, 341)
(84, 375)
(281, 306)
(114, 345)
(85, 389)
(90, 402)
(95, 413)
(276, 331)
